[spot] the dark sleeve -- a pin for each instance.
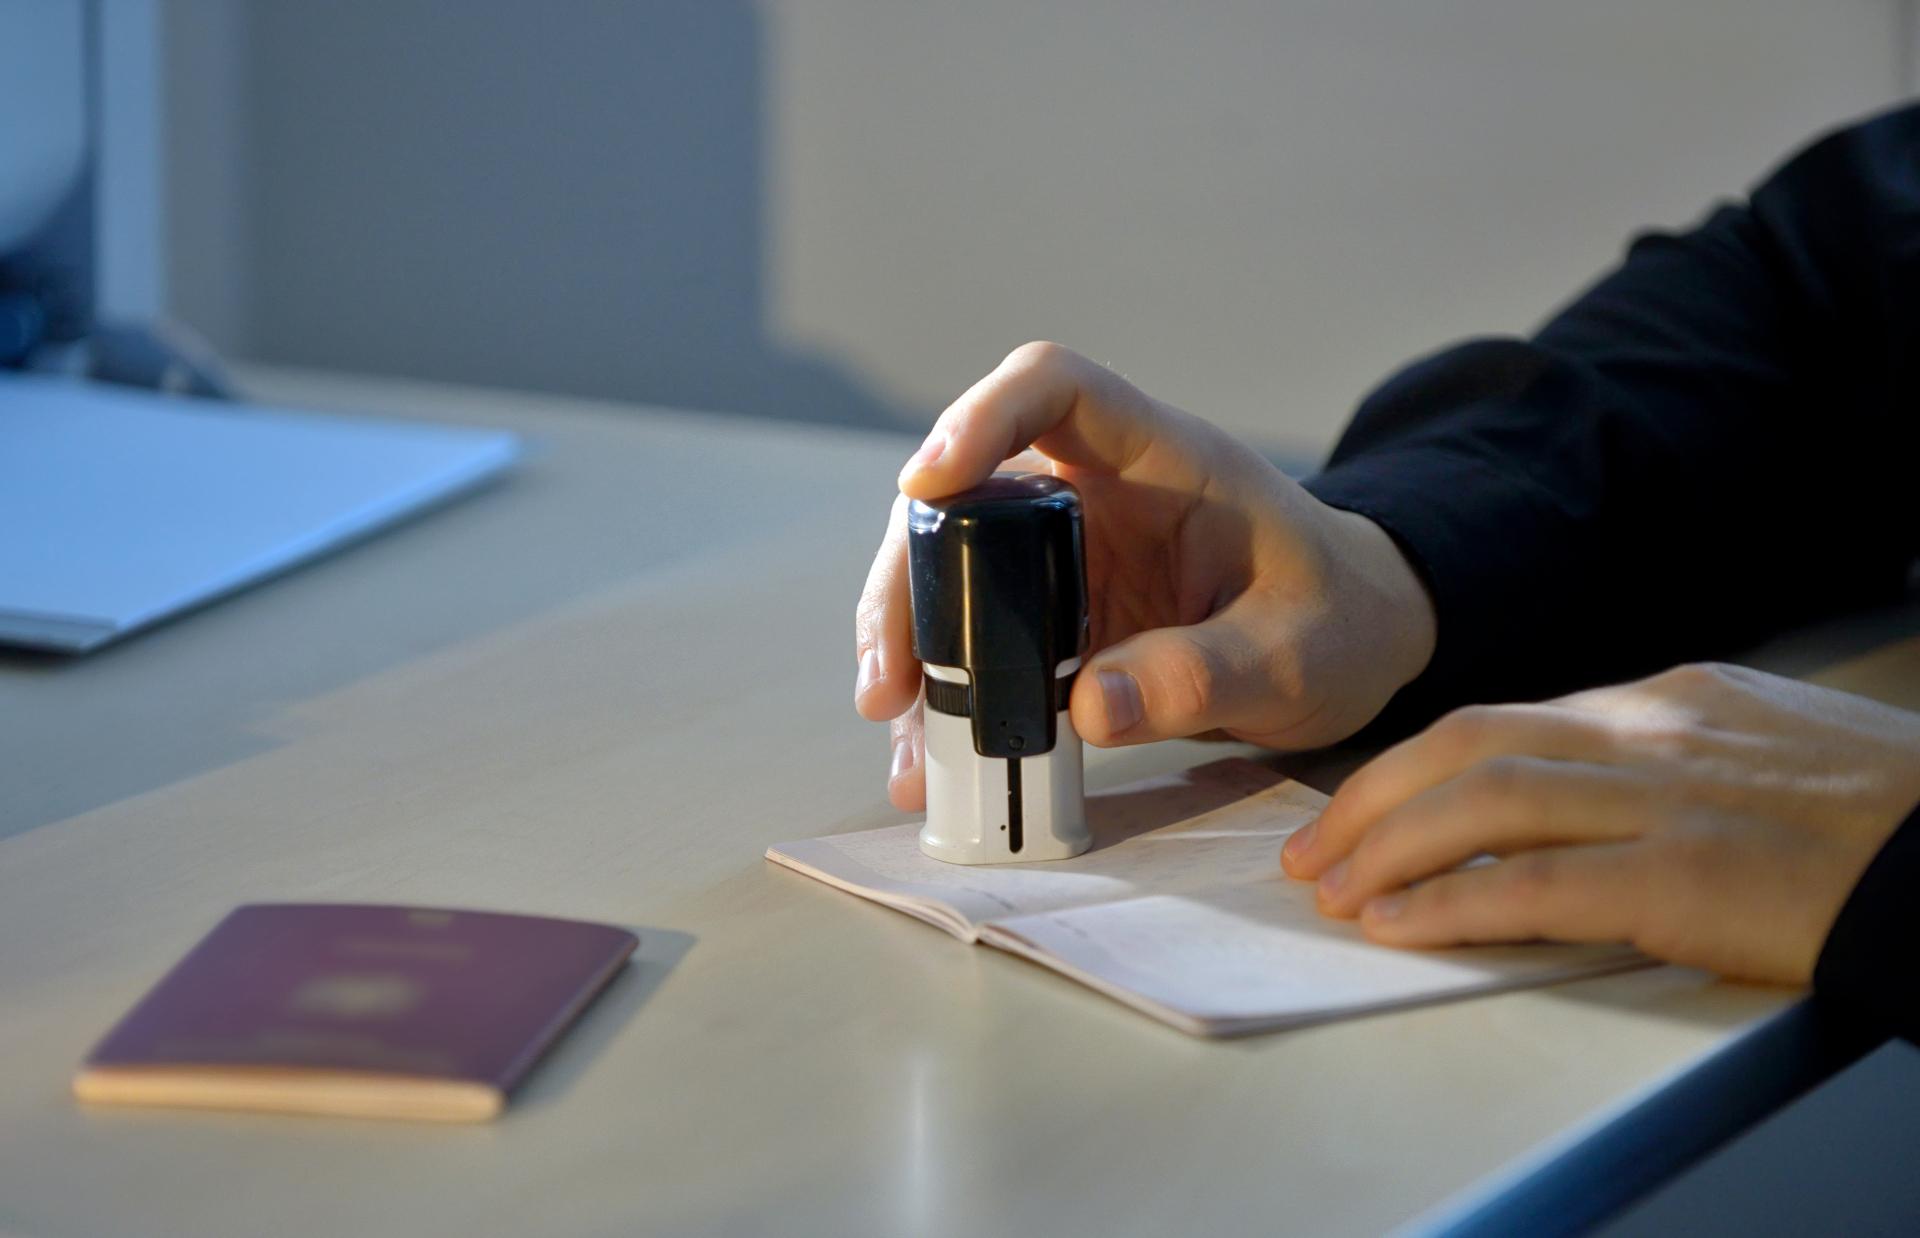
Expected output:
(1869, 968)
(1719, 439)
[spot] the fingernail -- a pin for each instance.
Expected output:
(1386, 907)
(902, 759)
(1331, 880)
(1122, 695)
(869, 672)
(930, 451)
(1301, 840)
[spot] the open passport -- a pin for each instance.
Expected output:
(1181, 911)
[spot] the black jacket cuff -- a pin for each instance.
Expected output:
(1870, 966)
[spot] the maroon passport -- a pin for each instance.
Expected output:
(339, 1008)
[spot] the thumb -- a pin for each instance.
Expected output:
(1172, 682)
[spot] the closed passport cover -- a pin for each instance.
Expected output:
(358, 1010)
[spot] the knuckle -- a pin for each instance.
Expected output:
(1378, 849)
(1190, 682)
(1465, 727)
(1040, 355)
(1435, 900)
(884, 580)
(1675, 739)
(1676, 676)
(1350, 797)
(869, 618)
(1695, 678)
(1531, 876)
(1502, 778)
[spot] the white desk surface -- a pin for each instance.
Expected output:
(600, 690)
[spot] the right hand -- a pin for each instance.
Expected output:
(1223, 597)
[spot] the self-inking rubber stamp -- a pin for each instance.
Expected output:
(999, 588)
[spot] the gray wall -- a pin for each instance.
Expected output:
(848, 209)
(42, 76)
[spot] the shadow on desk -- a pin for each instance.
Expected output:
(553, 1079)
(1676, 994)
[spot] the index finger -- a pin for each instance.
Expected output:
(1589, 893)
(1454, 744)
(1042, 396)
(889, 676)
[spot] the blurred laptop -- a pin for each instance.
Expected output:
(120, 505)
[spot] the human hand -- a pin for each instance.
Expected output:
(1711, 815)
(1222, 596)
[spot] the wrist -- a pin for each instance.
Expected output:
(1401, 623)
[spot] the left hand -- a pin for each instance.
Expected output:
(1711, 815)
